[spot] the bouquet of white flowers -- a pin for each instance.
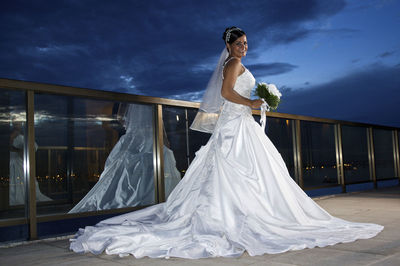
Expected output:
(269, 93)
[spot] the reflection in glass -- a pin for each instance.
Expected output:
(279, 131)
(75, 137)
(174, 119)
(51, 170)
(355, 154)
(128, 176)
(318, 154)
(196, 138)
(17, 184)
(383, 148)
(52, 156)
(12, 121)
(171, 174)
(13, 180)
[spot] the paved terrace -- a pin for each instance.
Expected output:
(380, 206)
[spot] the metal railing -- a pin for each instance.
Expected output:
(295, 122)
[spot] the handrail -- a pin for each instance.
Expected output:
(38, 87)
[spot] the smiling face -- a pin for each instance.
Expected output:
(239, 47)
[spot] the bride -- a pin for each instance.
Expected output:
(237, 194)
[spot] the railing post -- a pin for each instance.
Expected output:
(371, 156)
(298, 165)
(30, 163)
(339, 156)
(187, 138)
(158, 151)
(70, 149)
(395, 137)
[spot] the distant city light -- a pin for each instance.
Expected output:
(42, 116)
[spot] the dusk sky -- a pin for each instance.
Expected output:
(333, 59)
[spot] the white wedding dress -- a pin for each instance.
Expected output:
(128, 176)
(236, 196)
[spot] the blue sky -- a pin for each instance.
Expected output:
(335, 59)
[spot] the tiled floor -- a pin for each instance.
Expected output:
(380, 206)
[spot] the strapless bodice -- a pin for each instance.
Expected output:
(244, 85)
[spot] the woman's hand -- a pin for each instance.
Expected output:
(255, 104)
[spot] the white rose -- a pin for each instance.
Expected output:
(274, 90)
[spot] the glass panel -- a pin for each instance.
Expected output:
(12, 140)
(355, 154)
(383, 147)
(93, 155)
(175, 146)
(279, 132)
(318, 154)
(53, 130)
(196, 138)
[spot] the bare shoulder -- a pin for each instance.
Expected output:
(233, 66)
(232, 62)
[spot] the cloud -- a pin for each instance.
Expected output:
(93, 44)
(271, 69)
(189, 96)
(363, 96)
(363, 5)
(387, 54)
(295, 33)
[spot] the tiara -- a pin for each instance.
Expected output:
(228, 33)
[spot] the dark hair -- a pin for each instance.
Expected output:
(235, 34)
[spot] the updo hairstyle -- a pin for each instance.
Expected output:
(234, 34)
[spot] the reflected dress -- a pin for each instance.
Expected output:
(17, 185)
(237, 195)
(128, 176)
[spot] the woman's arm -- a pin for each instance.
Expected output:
(232, 70)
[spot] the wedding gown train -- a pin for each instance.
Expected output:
(236, 196)
(128, 176)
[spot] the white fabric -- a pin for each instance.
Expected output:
(236, 195)
(128, 176)
(211, 104)
(17, 184)
(263, 119)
